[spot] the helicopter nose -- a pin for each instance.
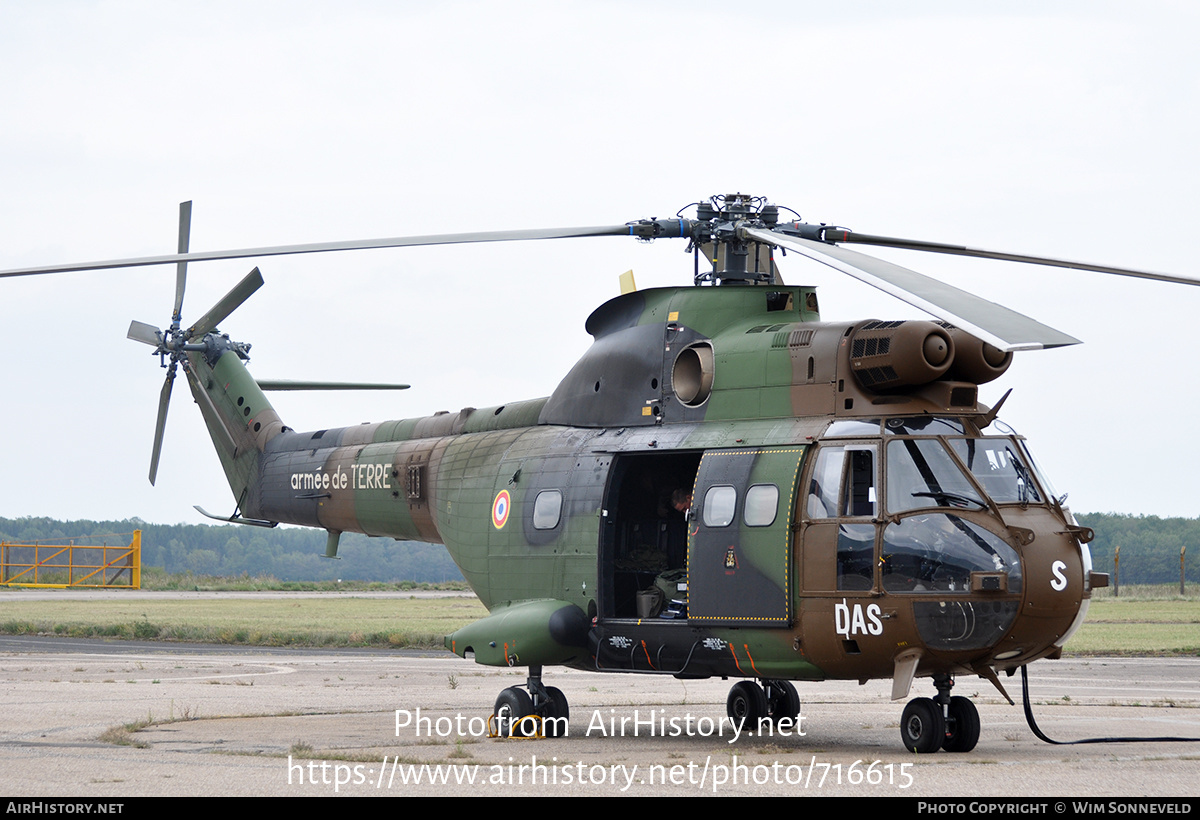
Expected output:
(1055, 568)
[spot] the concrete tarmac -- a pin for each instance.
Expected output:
(256, 721)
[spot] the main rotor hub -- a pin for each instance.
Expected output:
(719, 232)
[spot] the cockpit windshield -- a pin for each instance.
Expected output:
(928, 462)
(922, 473)
(936, 552)
(936, 526)
(996, 465)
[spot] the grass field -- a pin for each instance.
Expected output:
(281, 621)
(1143, 621)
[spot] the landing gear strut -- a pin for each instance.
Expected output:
(944, 722)
(775, 701)
(518, 713)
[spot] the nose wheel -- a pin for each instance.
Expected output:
(962, 726)
(944, 722)
(922, 726)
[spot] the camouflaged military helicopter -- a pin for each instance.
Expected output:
(723, 485)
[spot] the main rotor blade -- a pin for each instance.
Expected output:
(160, 426)
(841, 235)
(144, 333)
(230, 302)
(320, 247)
(185, 232)
(284, 384)
(994, 324)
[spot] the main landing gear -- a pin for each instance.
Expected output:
(542, 710)
(775, 701)
(944, 722)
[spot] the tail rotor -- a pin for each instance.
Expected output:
(173, 343)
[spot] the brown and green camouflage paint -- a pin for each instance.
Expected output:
(766, 600)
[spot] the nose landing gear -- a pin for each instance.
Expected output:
(944, 722)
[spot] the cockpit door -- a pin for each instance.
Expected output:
(740, 569)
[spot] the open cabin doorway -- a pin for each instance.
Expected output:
(643, 539)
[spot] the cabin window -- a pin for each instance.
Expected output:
(547, 510)
(719, 505)
(762, 503)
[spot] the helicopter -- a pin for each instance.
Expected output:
(722, 486)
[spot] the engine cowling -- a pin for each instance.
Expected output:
(974, 359)
(890, 355)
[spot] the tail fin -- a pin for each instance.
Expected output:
(239, 418)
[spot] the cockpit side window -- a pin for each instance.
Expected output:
(858, 497)
(843, 485)
(843, 482)
(826, 482)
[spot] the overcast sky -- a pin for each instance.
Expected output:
(1066, 129)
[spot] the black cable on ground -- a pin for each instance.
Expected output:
(1033, 725)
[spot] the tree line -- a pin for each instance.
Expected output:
(1149, 549)
(286, 553)
(1149, 546)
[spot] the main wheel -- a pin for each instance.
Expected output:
(556, 713)
(746, 704)
(783, 701)
(513, 713)
(922, 727)
(962, 729)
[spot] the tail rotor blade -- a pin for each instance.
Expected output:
(185, 231)
(144, 333)
(164, 401)
(230, 302)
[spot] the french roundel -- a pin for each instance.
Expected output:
(500, 509)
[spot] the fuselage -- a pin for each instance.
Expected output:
(844, 520)
(816, 549)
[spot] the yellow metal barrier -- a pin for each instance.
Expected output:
(69, 566)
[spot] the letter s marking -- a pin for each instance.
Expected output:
(1059, 582)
